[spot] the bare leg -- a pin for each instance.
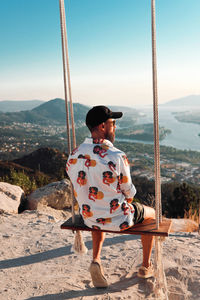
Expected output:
(147, 245)
(96, 269)
(98, 238)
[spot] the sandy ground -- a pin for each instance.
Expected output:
(37, 262)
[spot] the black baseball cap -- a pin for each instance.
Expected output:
(100, 114)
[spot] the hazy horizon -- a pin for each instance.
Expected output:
(189, 103)
(109, 50)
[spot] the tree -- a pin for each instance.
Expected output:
(184, 199)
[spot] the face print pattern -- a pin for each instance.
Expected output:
(124, 226)
(94, 194)
(108, 177)
(86, 156)
(114, 204)
(88, 162)
(86, 211)
(103, 221)
(125, 208)
(81, 180)
(100, 150)
(72, 161)
(122, 179)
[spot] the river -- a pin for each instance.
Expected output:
(183, 136)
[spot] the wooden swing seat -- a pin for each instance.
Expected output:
(147, 227)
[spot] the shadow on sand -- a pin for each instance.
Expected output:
(123, 284)
(59, 252)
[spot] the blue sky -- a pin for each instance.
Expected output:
(109, 49)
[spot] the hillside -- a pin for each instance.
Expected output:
(49, 161)
(189, 101)
(143, 132)
(7, 166)
(16, 106)
(51, 112)
(34, 170)
(189, 117)
(54, 112)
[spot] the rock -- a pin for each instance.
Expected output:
(10, 197)
(57, 195)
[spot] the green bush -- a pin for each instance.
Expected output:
(22, 180)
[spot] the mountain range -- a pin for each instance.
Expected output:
(54, 112)
(51, 112)
(15, 105)
(192, 100)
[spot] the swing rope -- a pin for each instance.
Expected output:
(64, 74)
(161, 290)
(79, 245)
(68, 77)
(158, 208)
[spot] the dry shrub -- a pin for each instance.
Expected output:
(192, 214)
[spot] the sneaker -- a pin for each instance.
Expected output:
(98, 278)
(146, 272)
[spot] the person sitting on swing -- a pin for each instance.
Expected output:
(116, 187)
